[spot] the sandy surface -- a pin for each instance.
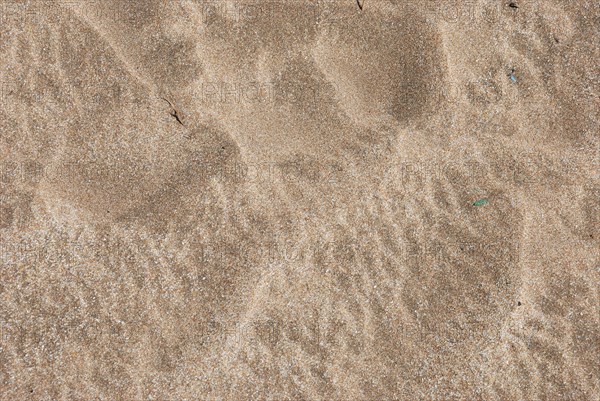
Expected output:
(299, 200)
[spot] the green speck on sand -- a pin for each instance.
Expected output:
(481, 202)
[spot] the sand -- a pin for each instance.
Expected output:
(299, 200)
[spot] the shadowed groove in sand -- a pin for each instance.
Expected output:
(383, 64)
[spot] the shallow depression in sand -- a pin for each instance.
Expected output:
(118, 149)
(383, 64)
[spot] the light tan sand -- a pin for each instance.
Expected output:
(299, 200)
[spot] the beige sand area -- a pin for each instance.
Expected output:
(299, 200)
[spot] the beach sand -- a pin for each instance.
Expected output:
(299, 200)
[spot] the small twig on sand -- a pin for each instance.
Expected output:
(360, 5)
(173, 112)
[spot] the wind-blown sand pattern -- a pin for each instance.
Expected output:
(299, 200)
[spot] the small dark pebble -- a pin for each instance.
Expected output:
(513, 5)
(519, 303)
